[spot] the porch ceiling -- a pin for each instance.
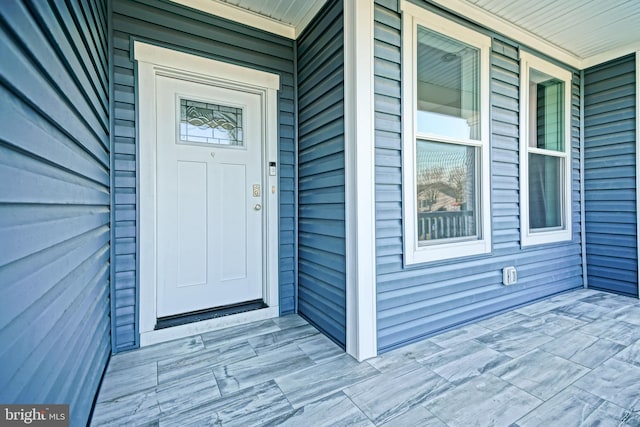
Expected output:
(284, 17)
(588, 31)
(579, 32)
(296, 13)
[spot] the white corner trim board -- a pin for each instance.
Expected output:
(583, 225)
(360, 180)
(156, 61)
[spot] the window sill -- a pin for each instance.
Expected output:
(446, 251)
(545, 237)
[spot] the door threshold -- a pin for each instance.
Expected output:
(211, 313)
(200, 327)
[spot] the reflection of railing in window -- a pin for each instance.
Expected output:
(445, 225)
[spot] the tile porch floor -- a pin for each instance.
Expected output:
(571, 360)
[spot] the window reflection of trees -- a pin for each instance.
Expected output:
(443, 180)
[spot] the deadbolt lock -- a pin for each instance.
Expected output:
(256, 190)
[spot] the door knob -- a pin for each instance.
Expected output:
(257, 206)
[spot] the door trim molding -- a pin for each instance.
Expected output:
(151, 61)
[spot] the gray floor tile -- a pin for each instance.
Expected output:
(144, 355)
(540, 374)
(514, 341)
(234, 334)
(335, 410)
(542, 307)
(129, 381)
(416, 416)
(198, 362)
(484, 401)
(630, 354)
(586, 350)
(597, 353)
(614, 330)
(264, 367)
(628, 418)
(464, 362)
(582, 311)
(628, 314)
(393, 393)
(615, 381)
(187, 392)
(319, 348)
(569, 344)
(134, 409)
(574, 295)
(459, 335)
(551, 324)
(610, 301)
(250, 407)
(303, 379)
(272, 340)
(407, 355)
(289, 321)
(503, 320)
(574, 407)
(311, 384)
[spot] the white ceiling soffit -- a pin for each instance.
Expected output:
(287, 18)
(580, 33)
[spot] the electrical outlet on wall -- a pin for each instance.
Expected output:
(509, 276)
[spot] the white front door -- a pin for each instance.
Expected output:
(209, 185)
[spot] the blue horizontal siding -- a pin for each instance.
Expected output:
(178, 27)
(54, 203)
(610, 176)
(321, 222)
(418, 301)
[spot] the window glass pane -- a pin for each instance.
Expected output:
(545, 191)
(448, 86)
(547, 107)
(210, 123)
(446, 191)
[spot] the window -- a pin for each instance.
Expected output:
(446, 138)
(545, 147)
(207, 123)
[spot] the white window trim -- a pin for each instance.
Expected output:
(528, 238)
(413, 253)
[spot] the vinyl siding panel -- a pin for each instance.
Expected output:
(54, 203)
(321, 197)
(418, 301)
(170, 25)
(610, 176)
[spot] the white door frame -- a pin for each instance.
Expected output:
(152, 61)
